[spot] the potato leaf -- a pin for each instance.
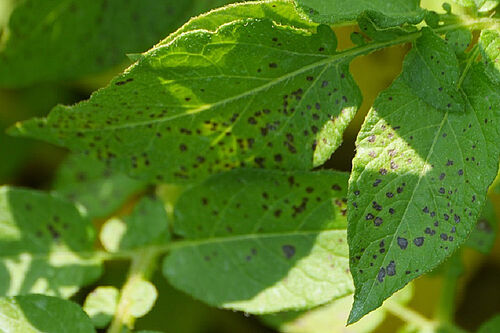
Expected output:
(252, 94)
(90, 183)
(387, 13)
(419, 183)
(45, 245)
(41, 314)
(262, 241)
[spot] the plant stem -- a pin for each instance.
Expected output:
(410, 316)
(141, 268)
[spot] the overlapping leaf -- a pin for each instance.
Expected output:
(387, 13)
(147, 225)
(251, 94)
(100, 189)
(483, 236)
(44, 245)
(40, 39)
(41, 314)
(263, 241)
(419, 183)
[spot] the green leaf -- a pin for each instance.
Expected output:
(431, 69)
(251, 94)
(389, 13)
(262, 241)
(41, 314)
(45, 245)
(282, 12)
(101, 304)
(418, 184)
(331, 318)
(147, 225)
(142, 296)
(90, 183)
(490, 51)
(41, 36)
(459, 40)
(483, 236)
(369, 27)
(491, 326)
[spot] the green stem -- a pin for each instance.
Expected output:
(410, 316)
(141, 268)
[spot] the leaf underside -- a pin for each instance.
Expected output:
(251, 94)
(418, 184)
(263, 241)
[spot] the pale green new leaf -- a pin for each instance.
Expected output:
(483, 236)
(90, 183)
(45, 245)
(142, 296)
(262, 241)
(431, 69)
(39, 41)
(147, 225)
(419, 183)
(388, 13)
(42, 314)
(100, 305)
(253, 93)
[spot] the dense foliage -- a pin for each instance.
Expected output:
(207, 160)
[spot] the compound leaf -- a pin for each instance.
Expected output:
(253, 93)
(388, 13)
(40, 314)
(44, 242)
(419, 183)
(262, 241)
(41, 36)
(90, 183)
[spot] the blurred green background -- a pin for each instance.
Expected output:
(34, 164)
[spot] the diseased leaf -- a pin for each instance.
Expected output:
(418, 184)
(482, 238)
(251, 94)
(45, 245)
(388, 13)
(262, 241)
(431, 69)
(41, 36)
(41, 314)
(459, 40)
(490, 50)
(331, 318)
(147, 225)
(491, 326)
(282, 12)
(100, 189)
(369, 27)
(101, 304)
